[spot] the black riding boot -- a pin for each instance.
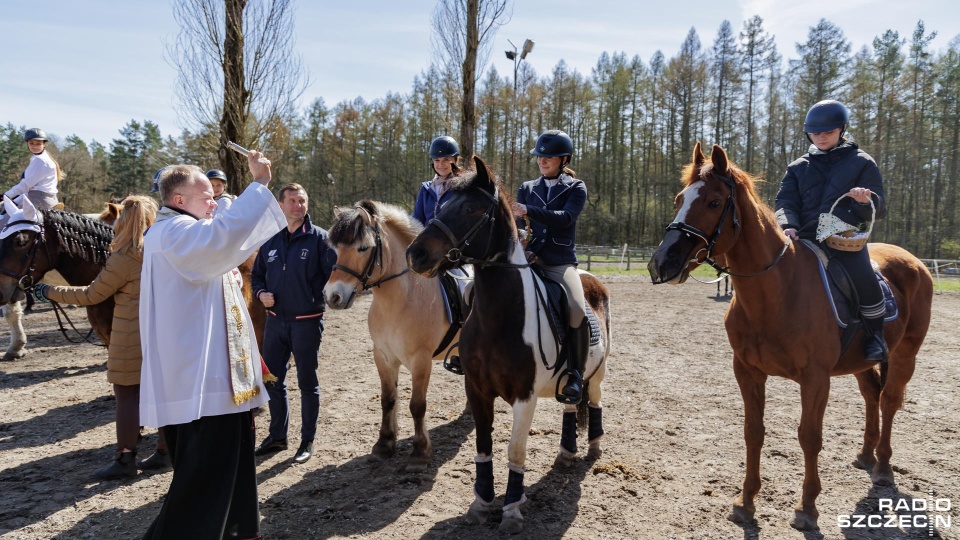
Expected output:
(577, 347)
(874, 346)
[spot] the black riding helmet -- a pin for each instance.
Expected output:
(444, 147)
(218, 174)
(553, 143)
(34, 134)
(826, 115)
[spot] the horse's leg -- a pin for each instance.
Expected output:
(481, 406)
(595, 427)
(512, 522)
(752, 384)
(13, 313)
(814, 394)
(891, 399)
(870, 390)
(389, 371)
(422, 449)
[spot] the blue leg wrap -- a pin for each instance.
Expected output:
(596, 423)
(514, 488)
(484, 483)
(568, 437)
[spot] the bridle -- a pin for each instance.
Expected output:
(488, 219)
(729, 209)
(25, 278)
(375, 260)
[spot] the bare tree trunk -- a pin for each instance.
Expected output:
(235, 95)
(468, 126)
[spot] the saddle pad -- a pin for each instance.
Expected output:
(556, 308)
(843, 313)
(452, 284)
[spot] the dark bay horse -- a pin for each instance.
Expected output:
(780, 322)
(407, 319)
(506, 346)
(74, 245)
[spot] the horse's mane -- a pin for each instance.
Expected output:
(745, 180)
(348, 227)
(79, 235)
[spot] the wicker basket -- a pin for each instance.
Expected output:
(851, 241)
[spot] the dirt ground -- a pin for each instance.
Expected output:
(673, 457)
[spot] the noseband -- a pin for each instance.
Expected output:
(729, 209)
(375, 260)
(25, 279)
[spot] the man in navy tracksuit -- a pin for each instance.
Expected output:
(288, 277)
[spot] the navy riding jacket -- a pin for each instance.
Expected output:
(425, 208)
(815, 181)
(295, 268)
(553, 220)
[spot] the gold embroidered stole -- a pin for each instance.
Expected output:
(242, 377)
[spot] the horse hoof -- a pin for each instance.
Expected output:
(564, 459)
(802, 521)
(594, 452)
(865, 463)
(478, 513)
(511, 525)
(10, 357)
(882, 477)
(742, 515)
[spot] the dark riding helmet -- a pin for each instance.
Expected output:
(826, 115)
(34, 134)
(218, 174)
(444, 147)
(553, 143)
(156, 179)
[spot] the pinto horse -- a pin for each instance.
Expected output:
(74, 245)
(407, 319)
(507, 349)
(780, 322)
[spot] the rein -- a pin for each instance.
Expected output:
(711, 240)
(58, 310)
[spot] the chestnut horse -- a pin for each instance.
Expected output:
(407, 319)
(780, 321)
(507, 349)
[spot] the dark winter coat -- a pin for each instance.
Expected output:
(815, 181)
(554, 221)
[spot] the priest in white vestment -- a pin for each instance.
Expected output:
(201, 371)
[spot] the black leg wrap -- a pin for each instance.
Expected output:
(514, 488)
(484, 483)
(596, 423)
(568, 437)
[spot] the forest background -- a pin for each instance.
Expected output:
(633, 121)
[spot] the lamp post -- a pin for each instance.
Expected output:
(517, 58)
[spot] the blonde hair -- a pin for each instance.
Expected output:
(138, 213)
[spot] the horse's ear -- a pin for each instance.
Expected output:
(719, 158)
(8, 206)
(29, 210)
(336, 212)
(485, 178)
(698, 157)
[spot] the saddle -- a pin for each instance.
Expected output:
(457, 307)
(842, 295)
(554, 300)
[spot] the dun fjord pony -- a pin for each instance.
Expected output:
(506, 346)
(780, 322)
(74, 245)
(407, 319)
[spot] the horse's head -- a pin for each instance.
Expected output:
(707, 220)
(111, 211)
(20, 241)
(362, 236)
(472, 227)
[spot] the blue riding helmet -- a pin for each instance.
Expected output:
(444, 147)
(34, 134)
(218, 174)
(826, 115)
(553, 143)
(156, 179)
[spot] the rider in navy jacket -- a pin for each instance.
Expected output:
(553, 219)
(299, 265)
(444, 154)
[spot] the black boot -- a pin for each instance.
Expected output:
(124, 466)
(874, 346)
(577, 347)
(452, 364)
(158, 462)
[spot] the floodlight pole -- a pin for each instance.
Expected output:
(516, 58)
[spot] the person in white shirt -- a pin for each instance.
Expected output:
(39, 181)
(201, 374)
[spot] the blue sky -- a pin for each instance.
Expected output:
(89, 67)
